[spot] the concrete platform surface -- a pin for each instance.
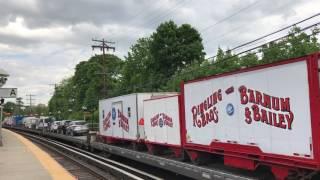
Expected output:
(20, 159)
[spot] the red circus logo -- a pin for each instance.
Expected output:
(106, 122)
(161, 120)
(123, 121)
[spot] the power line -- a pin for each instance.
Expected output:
(230, 16)
(158, 16)
(269, 34)
(221, 36)
(161, 16)
(254, 48)
(277, 31)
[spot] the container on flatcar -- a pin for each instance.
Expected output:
(262, 115)
(162, 123)
(119, 117)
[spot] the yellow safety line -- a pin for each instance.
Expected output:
(56, 171)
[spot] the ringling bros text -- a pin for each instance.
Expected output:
(259, 107)
(123, 121)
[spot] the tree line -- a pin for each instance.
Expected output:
(160, 62)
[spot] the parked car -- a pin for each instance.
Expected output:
(54, 126)
(62, 128)
(30, 122)
(44, 123)
(77, 128)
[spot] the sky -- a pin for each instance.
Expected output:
(41, 41)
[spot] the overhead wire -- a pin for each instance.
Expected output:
(223, 35)
(272, 33)
(230, 16)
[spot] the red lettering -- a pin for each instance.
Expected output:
(248, 115)
(199, 123)
(270, 118)
(256, 114)
(290, 118)
(285, 104)
(266, 101)
(274, 117)
(258, 98)
(281, 121)
(243, 95)
(205, 105)
(264, 117)
(211, 115)
(216, 119)
(201, 108)
(275, 103)
(219, 95)
(251, 96)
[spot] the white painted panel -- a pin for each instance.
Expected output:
(123, 124)
(161, 120)
(284, 81)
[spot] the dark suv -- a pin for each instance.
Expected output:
(63, 126)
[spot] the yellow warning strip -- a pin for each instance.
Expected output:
(56, 171)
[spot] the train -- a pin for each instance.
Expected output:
(266, 116)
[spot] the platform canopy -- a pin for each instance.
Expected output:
(3, 73)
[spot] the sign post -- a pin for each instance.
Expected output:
(8, 92)
(1, 113)
(5, 93)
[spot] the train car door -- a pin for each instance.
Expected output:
(117, 108)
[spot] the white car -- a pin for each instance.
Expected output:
(77, 128)
(43, 122)
(30, 122)
(55, 126)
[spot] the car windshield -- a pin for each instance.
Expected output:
(80, 123)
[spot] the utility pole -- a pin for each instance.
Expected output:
(19, 104)
(103, 46)
(55, 86)
(30, 101)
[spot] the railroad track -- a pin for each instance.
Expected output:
(159, 167)
(97, 165)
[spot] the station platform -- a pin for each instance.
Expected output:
(20, 159)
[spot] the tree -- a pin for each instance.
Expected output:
(9, 107)
(85, 87)
(249, 60)
(174, 48)
(136, 73)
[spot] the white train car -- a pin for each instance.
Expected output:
(119, 117)
(266, 115)
(162, 124)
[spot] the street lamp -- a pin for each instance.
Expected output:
(59, 112)
(3, 79)
(84, 108)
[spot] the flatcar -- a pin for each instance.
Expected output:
(263, 116)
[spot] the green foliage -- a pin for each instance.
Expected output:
(297, 44)
(159, 63)
(85, 88)
(136, 72)
(174, 48)
(9, 107)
